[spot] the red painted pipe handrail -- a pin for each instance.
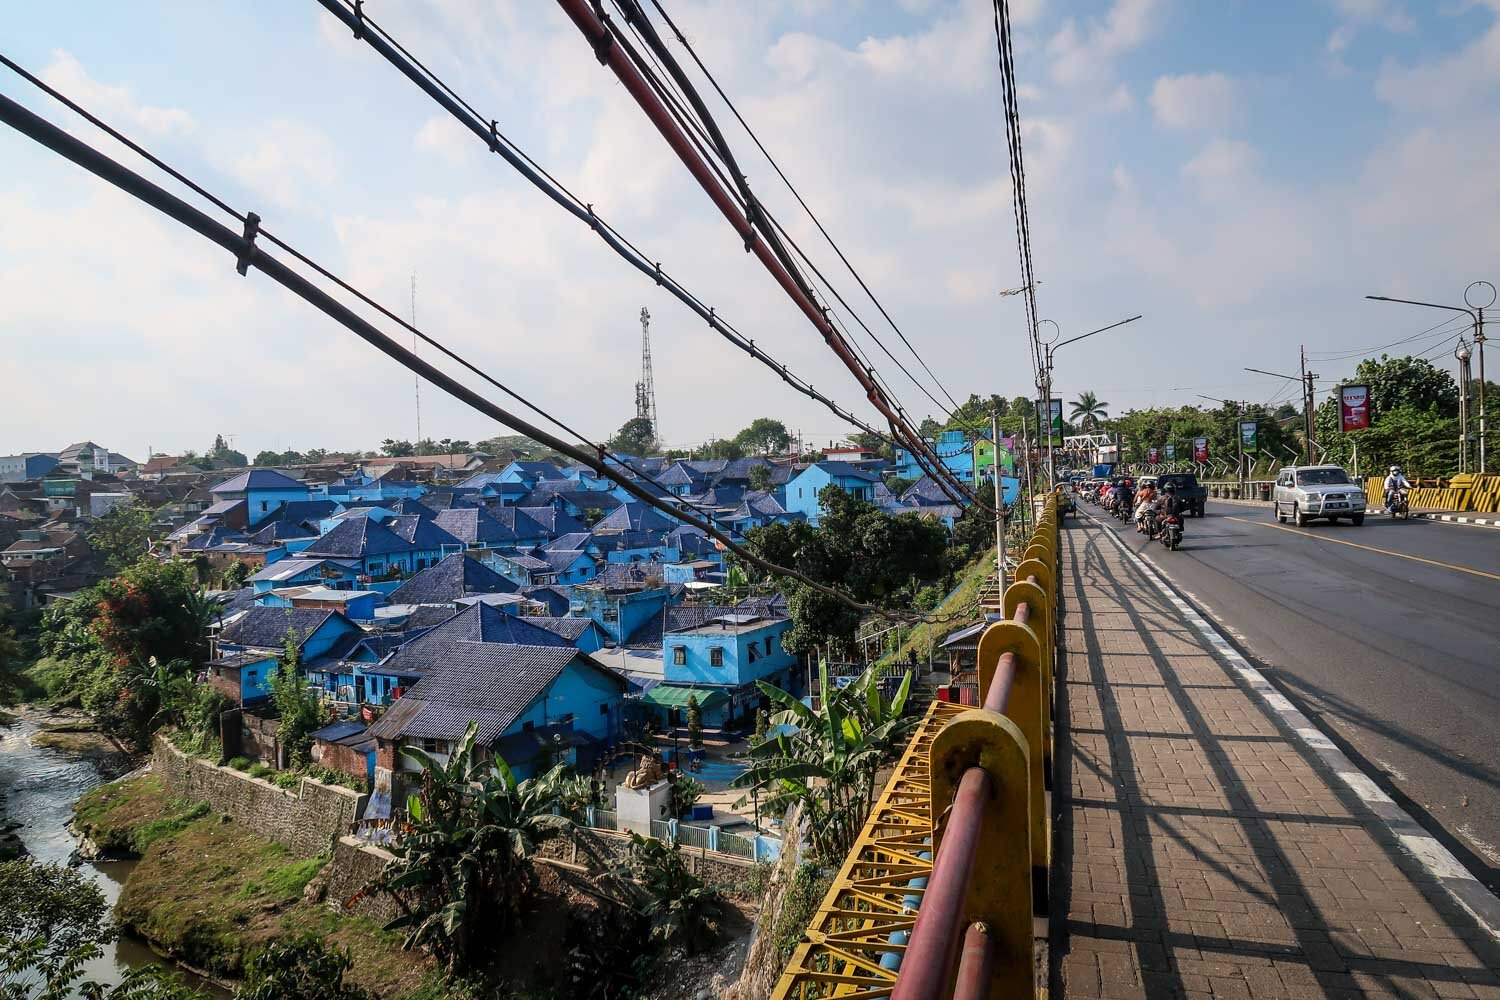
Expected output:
(934, 938)
(976, 964)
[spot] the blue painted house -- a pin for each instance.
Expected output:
(450, 580)
(954, 448)
(534, 702)
(802, 491)
(263, 490)
(295, 572)
(403, 545)
(620, 604)
(719, 657)
(247, 647)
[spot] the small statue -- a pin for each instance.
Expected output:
(646, 774)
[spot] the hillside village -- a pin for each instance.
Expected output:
(425, 592)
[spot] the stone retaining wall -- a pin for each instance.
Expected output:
(763, 965)
(306, 821)
(355, 865)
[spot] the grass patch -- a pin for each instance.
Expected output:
(148, 834)
(286, 881)
(259, 770)
(924, 638)
(213, 894)
(110, 814)
(809, 885)
(240, 763)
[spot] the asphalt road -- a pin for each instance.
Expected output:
(1392, 647)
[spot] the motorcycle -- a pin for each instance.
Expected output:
(1169, 530)
(1396, 503)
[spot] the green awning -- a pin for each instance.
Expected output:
(676, 696)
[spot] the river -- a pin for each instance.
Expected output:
(41, 786)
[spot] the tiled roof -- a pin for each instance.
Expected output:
(473, 526)
(491, 684)
(448, 499)
(258, 479)
(635, 517)
(422, 533)
(561, 559)
(924, 491)
(570, 629)
(551, 521)
(448, 579)
(845, 470)
(682, 474)
(572, 540)
(522, 560)
(358, 538)
(277, 531)
(406, 505)
(310, 511)
(427, 616)
(556, 598)
(222, 507)
(267, 628)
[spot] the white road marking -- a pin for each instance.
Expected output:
(1461, 883)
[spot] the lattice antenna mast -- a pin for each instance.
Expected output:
(645, 389)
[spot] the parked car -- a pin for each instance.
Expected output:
(1192, 494)
(1305, 492)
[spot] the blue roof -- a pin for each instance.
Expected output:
(845, 470)
(359, 538)
(473, 526)
(449, 579)
(258, 479)
(267, 627)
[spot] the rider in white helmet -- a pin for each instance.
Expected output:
(1393, 482)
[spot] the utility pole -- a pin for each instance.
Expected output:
(1462, 353)
(999, 499)
(1309, 424)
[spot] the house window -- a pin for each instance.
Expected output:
(679, 655)
(754, 651)
(434, 746)
(262, 505)
(604, 708)
(612, 613)
(716, 656)
(770, 647)
(527, 727)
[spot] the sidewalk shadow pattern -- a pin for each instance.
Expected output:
(1203, 851)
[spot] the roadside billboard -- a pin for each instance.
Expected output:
(1055, 424)
(1151, 454)
(1247, 435)
(1354, 407)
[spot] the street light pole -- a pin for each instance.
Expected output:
(1306, 379)
(1461, 352)
(1051, 349)
(1472, 294)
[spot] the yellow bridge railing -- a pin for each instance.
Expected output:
(937, 897)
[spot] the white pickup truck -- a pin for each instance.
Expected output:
(1304, 492)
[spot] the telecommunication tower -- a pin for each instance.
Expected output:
(645, 389)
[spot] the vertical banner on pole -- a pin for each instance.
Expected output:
(1247, 436)
(1054, 429)
(1200, 450)
(1354, 407)
(1171, 452)
(1151, 456)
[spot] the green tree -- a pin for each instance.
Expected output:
(1089, 409)
(929, 428)
(236, 575)
(764, 436)
(463, 873)
(396, 449)
(56, 921)
(122, 536)
(1413, 383)
(874, 443)
(694, 722)
(296, 704)
(264, 458)
(302, 968)
(221, 452)
(592, 516)
(13, 684)
(829, 763)
(635, 437)
(760, 479)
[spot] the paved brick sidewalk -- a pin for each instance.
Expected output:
(1203, 851)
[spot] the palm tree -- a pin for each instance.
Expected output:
(1090, 409)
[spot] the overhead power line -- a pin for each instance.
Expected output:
(1452, 325)
(687, 46)
(1012, 115)
(248, 254)
(760, 238)
(487, 130)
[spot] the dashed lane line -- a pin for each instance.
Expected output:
(1367, 548)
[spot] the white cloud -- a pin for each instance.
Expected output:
(1193, 100)
(1120, 99)
(287, 161)
(442, 135)
(1224, 168)
(1084, 54)
(114, 104)
(1388, 14)
(1466, 77)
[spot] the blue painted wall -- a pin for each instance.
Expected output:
(802, 491)
(737, 668)
(619, 614)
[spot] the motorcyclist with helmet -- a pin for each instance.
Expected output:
(1394, 483)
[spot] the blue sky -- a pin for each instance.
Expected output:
(1240, 172)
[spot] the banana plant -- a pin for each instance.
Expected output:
(828, 763)
(463, 868)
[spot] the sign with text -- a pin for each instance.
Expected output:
(1200, 449)
(1247, 435)
(1354, 407)
(1171, 452)
(1151, 456)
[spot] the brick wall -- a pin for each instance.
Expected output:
(347, 760)
(305, 821)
